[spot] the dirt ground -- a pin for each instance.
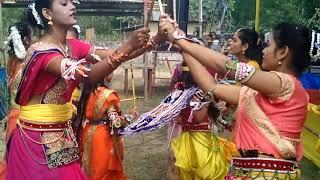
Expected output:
(146, 154)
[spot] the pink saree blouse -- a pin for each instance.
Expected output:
(272, 124)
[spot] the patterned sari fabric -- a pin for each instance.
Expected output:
(43, 145)
(198, 153)
(102, 153)
(271, 125)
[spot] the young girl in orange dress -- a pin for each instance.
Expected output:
(101, 145)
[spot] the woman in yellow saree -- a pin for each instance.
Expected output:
(196, 153)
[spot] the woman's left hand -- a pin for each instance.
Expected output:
(134, 113)
(167, 26)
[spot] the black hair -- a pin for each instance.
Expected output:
(39, 5)
(213, 111)
(262, 40)
(88, 88)
(81, 108)
(298, 39)
(254, 51)
(74, 30)
(24, 31)
(186, 78)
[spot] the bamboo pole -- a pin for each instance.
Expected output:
(200, 19)
(257, 21)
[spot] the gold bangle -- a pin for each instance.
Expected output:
(111, 63)
(118, 56)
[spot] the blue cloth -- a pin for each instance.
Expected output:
(4, 100)
(310, 81)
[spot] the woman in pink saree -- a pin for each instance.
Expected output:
(272, 104)
(44, 145)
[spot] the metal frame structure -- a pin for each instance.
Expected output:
(94, 7)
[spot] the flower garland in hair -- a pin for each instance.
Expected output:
(35, 14)
(18, 47)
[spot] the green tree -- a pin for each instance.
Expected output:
(212, 12)
(10, 16)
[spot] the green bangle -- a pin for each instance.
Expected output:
(229, 64)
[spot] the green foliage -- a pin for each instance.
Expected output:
(212, 13)
(104, 25)
(241, 13)
(10, 16)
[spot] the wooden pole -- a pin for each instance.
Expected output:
(200, 19)
(175, 10)
(257, 21)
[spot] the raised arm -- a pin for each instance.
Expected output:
(110, 59)
(228, 93)
(265, 82)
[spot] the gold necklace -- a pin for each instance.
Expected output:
(65, 50)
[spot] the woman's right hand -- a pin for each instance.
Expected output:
(137, 40)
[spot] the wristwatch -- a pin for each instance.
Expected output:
(179, 34)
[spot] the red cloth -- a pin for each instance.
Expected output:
(36, 80)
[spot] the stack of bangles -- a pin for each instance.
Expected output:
(117, 57)
(243, 73)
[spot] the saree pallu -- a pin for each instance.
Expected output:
(102, 153)
(37, 152)
(311, 134)
(201, 155)
(12, 122)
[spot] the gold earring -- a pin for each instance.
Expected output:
(279, 62)
(50, 22)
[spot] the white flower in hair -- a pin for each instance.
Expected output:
(18, 47)
(35, 14)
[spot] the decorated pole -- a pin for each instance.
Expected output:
(148, 8)
(200, 19)
(257, 21)
(179, 9)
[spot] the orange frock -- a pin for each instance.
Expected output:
(102, 153)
